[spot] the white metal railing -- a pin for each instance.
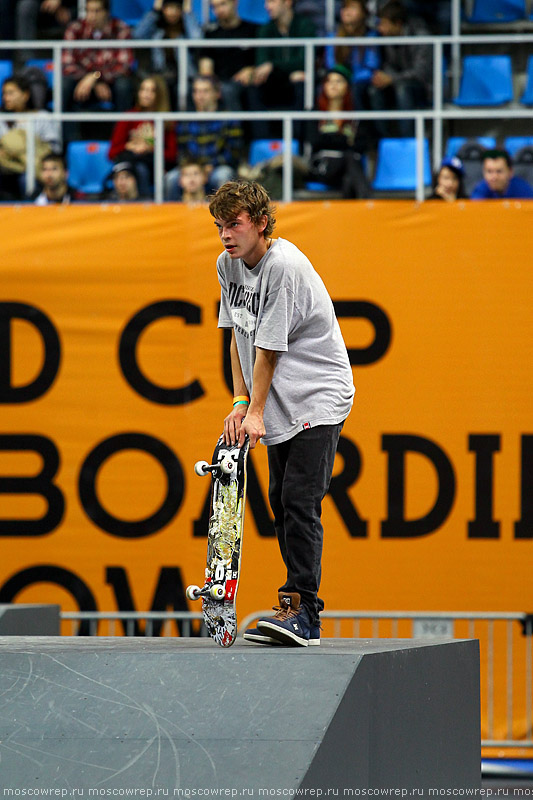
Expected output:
(436, 114)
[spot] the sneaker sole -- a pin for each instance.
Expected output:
(282, 635)
(258, 639)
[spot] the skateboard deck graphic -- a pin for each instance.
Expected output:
(224, 539)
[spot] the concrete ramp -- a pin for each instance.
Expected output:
(184, 716)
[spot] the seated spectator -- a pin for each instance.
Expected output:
(169, 19)
(361, 61)
(92, 77)
(334, 160)
(55, 188)
(47, 18)
(498, 179)
(133, 140)
(125, 189)
(16, 98)
(279, 75)
(233, 68)
(405, 81)
(192, 183)
(215, 144)
(448, 183)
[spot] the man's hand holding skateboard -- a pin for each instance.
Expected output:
(247, 419)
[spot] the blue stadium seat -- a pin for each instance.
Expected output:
(130, 11)
(6, 70)
(263, 149)
(253, 11)
(527, 97)
(497, 11)
(396, 165)
(454, 143)
(46, 66)
(486, 81)
(88, 166)
(515, 143)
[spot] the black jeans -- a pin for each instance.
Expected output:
(300, 474)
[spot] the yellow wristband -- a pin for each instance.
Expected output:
(242, 398)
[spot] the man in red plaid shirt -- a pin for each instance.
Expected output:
(92, 77)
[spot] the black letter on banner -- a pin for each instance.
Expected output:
(40, 484)
(523, 529)
(169, 594)
(483, 526)
(255, 502)
(52, 353)
(340, 484)
(396, 525)
(128, 359)
(48, 573)
(119, 527)
(382, 327)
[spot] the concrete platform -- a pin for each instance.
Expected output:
(184, 714)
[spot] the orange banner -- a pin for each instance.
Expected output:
(112, 384)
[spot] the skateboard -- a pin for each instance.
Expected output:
(224, 539)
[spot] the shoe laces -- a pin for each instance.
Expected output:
(284, 612)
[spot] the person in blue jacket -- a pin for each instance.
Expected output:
(499, 180)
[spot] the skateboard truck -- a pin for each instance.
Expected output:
(226, 465)
(215, 592)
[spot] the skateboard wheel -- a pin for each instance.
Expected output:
(217, 592)
(201, 468)
(193, 592)
(227, 465)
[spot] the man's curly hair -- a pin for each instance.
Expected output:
(234, 197)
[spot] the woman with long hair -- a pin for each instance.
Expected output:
(335, 160)
(133, 140)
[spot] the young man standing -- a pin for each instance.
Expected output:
(293, 389)
(54, 180)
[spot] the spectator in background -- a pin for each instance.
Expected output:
(361, 61)
(278, 80)
(448, 183)
(55, 188)
(215, 144)
(192, 183)
(233, 67)
(169, 19)
(16, 99)
(49, 18)
(498, 179)
(133, 140)
(125, 188)
(406, 78)
(92, 77)
(335, 161)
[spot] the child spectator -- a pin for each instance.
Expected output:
(125, 188)
(133, 140)
(449, 181)
(192, 182)
(169, 19)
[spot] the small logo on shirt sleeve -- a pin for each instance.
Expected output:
(306, 426)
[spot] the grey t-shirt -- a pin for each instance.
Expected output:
(282, 304)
